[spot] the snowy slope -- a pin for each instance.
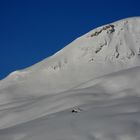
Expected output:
(97, 75)
(102, 113)
(106, 49)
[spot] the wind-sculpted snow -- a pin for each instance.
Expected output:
(90, 90)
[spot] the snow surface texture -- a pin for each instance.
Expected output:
(90, 90)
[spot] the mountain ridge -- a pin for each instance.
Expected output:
(113, 47)
(89, 90)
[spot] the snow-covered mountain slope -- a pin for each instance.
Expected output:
(104, 50)
(87, 91)
(108, 108)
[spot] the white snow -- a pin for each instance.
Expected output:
(90, 90)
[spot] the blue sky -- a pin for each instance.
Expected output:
(31, 30)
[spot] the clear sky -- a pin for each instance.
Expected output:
(31, 30)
